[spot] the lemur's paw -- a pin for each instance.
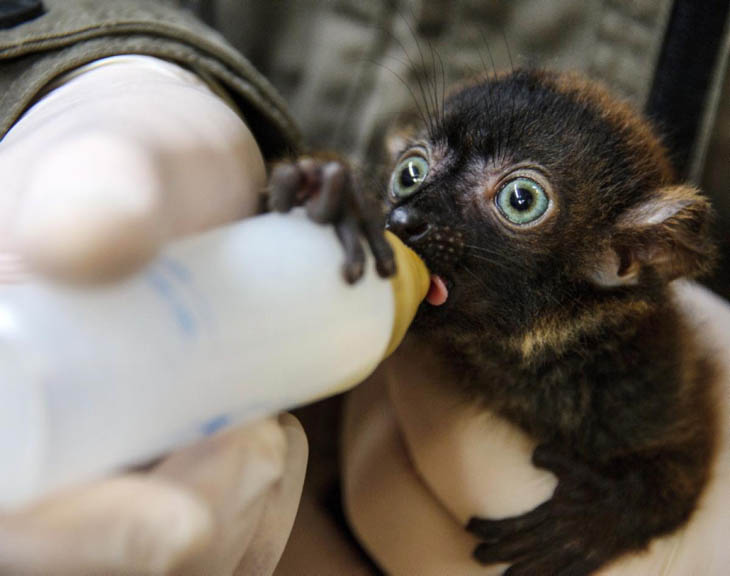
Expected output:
(572, 534)
(331, 196)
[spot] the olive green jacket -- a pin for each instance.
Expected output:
(75, 32)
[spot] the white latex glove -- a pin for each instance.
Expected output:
(224, 506)
(120, 157)
(418, 462)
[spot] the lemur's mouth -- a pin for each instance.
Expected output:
(418, 237)
(438, 292)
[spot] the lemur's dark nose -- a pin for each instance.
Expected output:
(408, 223)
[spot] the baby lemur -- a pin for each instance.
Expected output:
(551, 220)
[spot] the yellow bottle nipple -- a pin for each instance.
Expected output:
(410, 286)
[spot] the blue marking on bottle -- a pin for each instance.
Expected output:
(215, 424)
(177, 269)
(185, 320)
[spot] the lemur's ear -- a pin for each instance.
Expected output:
(667, 233)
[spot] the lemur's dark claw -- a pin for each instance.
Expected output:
(325, 205)
(284, 182)
(354, 265)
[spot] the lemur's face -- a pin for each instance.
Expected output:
(514, 197)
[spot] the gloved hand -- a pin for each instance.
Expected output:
(434, 461)
(223, 506)
(98, 174)
(117, 160)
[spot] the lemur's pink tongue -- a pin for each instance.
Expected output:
(437, 292)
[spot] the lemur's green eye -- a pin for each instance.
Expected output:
(408, 176)
(522, 201)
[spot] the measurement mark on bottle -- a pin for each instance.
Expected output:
(215, 424)
(166, 289)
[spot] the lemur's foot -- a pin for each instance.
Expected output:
(331, 196)
(572, 534)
